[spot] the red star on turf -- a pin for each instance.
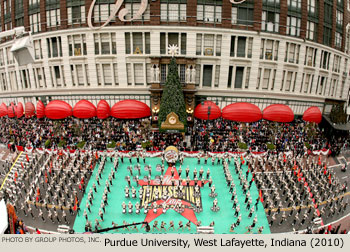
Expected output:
(187, 213)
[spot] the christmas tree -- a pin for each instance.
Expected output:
(173, 97)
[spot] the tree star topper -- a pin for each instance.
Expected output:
(173, 50)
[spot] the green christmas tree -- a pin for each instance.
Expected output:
(173, 97)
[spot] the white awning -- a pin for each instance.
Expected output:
(23, 51)
(21, 43)
(3, 217)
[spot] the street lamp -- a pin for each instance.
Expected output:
(209, 111)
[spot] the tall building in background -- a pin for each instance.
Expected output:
(293, 52)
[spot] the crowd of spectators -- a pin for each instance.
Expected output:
(123, 135)
(297, 136)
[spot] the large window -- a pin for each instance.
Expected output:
(266, 78)
(239, 77)
(321, 85)
(7, 14)
(325, 56)
(136, 74)
(292, 53)
(173, 38)
(311, 30)
(312, 6)
(207, 75)
(139, 74)
(306, 84)
(76, 11)
(102, 10)
(328, 18)
(3, 82)
(37, 49)
(327, 35)
(54, 46)
(217, 76)
(243, 13)
(289, 81)
(53, 14)
(34, 16)
(173, 10)
(182, 73)
(339, 18)
(338, 39)
(293, 26)
(310, 56)
(133, 6)
(294, 18)
(342, 86)
(328, 12)
(312, 23)
(24, 75)
(35, 3)
(209, 11)
(339, 24)
(39, 77)
(34, 22)
(336, 63)
(107, 74)
(80, 74)
(270, 21)
(105, 43)
(333, 87)
(163, 73)
(269, 49)
(77, 45)
(137, 43)
(294, 5)
(19, 13)
(57, 77)
(270, 15)
(208, 44)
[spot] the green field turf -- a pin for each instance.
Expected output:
(223, 218)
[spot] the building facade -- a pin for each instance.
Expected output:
(294, 52)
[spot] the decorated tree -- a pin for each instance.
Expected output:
(173, 97)
(338, 114)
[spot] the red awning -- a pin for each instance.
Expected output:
(242, 112)
(278, 113)
(84, 109)
(11, 110)
(103, 110)
(312, 114)
(40, 109)
(20, 110)
(29, 109)
(58, 109)
(3, 110)
(201, 111)
(130, 109)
